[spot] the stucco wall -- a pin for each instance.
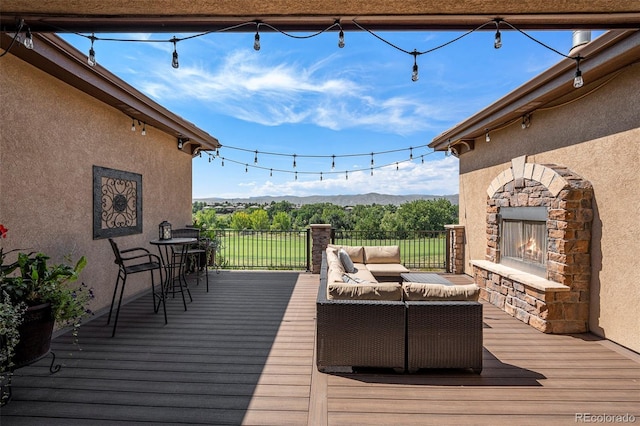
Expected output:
(50, 137)
(597, 137)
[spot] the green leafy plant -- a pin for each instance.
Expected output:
(31, 281)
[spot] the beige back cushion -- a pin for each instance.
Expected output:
(356, 253)
(381, 254)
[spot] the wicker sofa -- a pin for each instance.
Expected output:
(404, 335)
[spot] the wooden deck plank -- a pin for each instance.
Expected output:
(244, 354)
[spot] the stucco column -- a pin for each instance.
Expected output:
(455, 249)
(320, 238)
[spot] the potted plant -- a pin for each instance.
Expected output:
(34, 296)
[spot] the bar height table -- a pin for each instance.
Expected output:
(173, 254)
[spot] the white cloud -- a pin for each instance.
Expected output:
(247, 86)
(437, 177)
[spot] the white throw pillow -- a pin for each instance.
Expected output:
(346, 261)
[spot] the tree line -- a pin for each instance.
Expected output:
(419, 215)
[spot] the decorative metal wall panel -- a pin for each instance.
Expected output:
(117, 203)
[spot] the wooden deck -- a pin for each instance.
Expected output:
(243, 354)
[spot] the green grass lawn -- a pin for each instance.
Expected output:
(288, 250)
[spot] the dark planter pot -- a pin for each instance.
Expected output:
(35, 335)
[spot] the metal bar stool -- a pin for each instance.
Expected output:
(133, 261)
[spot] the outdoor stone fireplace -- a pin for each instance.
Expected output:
(537, 265)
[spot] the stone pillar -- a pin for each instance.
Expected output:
(455, 249)
(320, 239)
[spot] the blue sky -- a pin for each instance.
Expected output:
(309, 97)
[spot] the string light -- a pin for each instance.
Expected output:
(372, 159)
(144, 129)
(296, 175)
(256, 38)
(346, 175)
(246, 168)
(414, 72)
(397, 167)
(28, 39)
(133, 124)
(270, 172)
(255, 159)
(526, 121)
(578, 81)
(91, 59)
(333, 162)
(487, 137)
(340, 35)
(372, 171)
(422, 159)
(320, 176)
(497, 42)
(174, 61)
(410, 153)
(294, 160)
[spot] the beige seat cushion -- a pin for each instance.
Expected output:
(356, 253)
(364, 291)
(432, 292)
(381, 254)
(363, 273)
(386, 269)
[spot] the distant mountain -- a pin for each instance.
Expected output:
(340, 200)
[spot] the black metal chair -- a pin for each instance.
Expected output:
(132, 261)
(196, 253)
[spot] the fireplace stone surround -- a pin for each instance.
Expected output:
(559, 302)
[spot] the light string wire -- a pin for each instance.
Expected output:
(336, 23)
(322, 173)
(390, 151)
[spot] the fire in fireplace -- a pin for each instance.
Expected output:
(523, 239)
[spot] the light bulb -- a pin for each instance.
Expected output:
(133, 125)
(448, 153)
(333, 162)
(321, 176)
(497, 42)
(91, 59)
(144, 129)
(270, 172)
(174, 61)
(28, 40)
(410, 153)
(341, 39)
(372, 158)
(296, 175)
(294, 161)
(578, 82)
(414, 73)
(346, 175)
(256, 41)
(487, 138)
(255, 159)
(372, 171)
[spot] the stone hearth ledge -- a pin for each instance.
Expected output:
(534, 281)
